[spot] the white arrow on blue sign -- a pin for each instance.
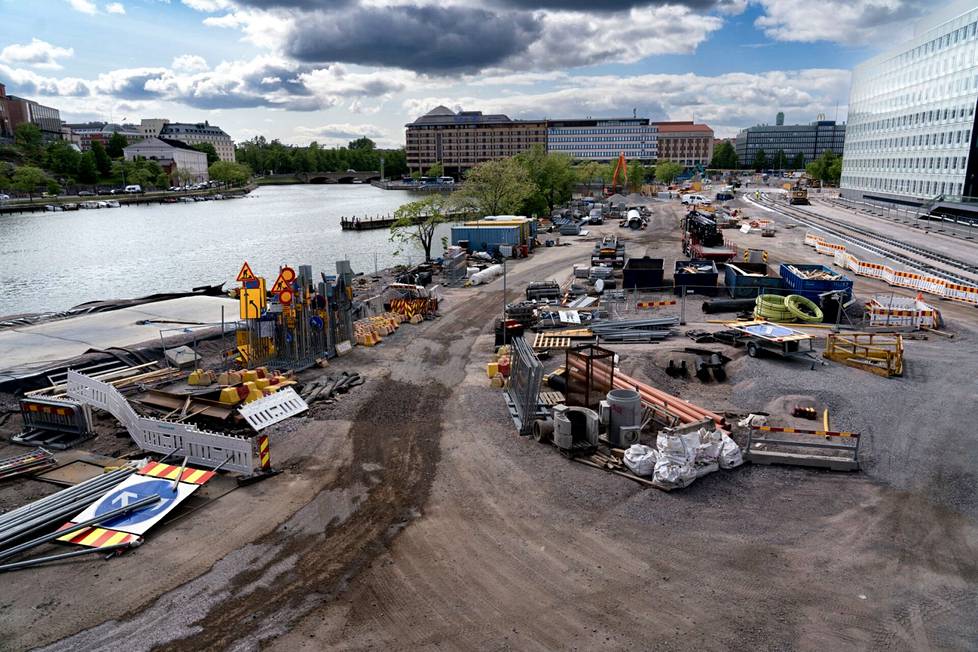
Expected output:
(134, 488)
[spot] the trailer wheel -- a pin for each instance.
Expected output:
(752, 349)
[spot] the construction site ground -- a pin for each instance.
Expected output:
(410, 515)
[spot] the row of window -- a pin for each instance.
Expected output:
(577, 148)
(925, 163)
(946, 139)
(603, 130)
(932, 116)
(600, 139)
(916, 187)
(936, 45)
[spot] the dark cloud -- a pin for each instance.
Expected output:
(591, 6)
(296, 4)
(424, 39)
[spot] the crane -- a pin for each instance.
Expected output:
(620, 168)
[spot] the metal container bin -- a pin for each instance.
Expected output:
(811, 289)
(704, 282)
(741, 286)
(486, 238)
(642, 273)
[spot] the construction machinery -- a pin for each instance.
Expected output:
(798, 193)
(703, 238)
(621, 171)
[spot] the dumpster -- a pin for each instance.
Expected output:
(810, 281)
(742, 285)
(697, 276)
(642, 273)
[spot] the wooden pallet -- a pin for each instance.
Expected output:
(551, 398)
(544, 341)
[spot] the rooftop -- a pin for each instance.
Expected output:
(681, 126)
(442, 115)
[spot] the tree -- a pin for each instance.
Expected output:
(230, 174)
(636, 176)
(760, 160)
(552, 175)
(30, 141)
(724, 157)
(117, 143)
(497, 187)
(88, 168)
(588, 172)
(416, 221)
(53, 187)
(667, 171)
(102, 160)
(780, 160)
(798, 162)
(362, 143)
(27, 178)
(62, 158)
(436, 170)
(827, 168)
(208, 149)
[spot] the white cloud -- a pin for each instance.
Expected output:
(189, 63)
(340, 130)
(841, 21)
(84, 6)
(726, 102)
(37, 53)
(115, 8)
(209, 6)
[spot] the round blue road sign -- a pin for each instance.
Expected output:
(127, 495)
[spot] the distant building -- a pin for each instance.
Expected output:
(151, 127)
(15, 111)
(912, 124)
(810, 140)
(200, 132)
(684, 142)
(173, 156)
(603, 139)
(84, 134)
(462, 140)
(779, 119)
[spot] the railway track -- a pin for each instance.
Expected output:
(911, 255)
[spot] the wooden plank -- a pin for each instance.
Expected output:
(547, 341)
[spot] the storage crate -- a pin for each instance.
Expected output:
(696, 283)
(740, 286)
(811, 289)
(642, 273)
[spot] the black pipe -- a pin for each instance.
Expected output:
(728, 305)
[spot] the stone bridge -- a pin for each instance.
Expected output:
(341, 177)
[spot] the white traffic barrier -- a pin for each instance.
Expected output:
(273, 408)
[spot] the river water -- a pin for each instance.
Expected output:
(53, 261)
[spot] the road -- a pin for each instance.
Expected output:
(411, 516)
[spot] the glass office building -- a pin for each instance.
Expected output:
(603, 139)
(911, 126)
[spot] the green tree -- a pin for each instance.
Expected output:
(588, 172)
(362, 143)
(53, 187)
(636, 176)
(436, 170)
(117, 143)
(27, 178)
(667, 171)
(724, 157)
(798, 162)
(29, 141)
(827, 168)
(208, 149)
(497, 187)
(760, 160)
(88, 168)
(102, 160)
(552, 175)
(62, 158)
(416, 222)
(230, 174)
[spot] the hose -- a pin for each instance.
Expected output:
(803, 308)
(771, 307)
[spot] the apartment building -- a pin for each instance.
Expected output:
(200, 132)
(603, 139)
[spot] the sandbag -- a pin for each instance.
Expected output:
(709, 449)
(670, 474)
(676, 456)
(730, 453)
(641, 459)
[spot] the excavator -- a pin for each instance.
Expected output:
(621, 168)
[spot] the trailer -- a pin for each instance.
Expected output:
(763, 336)
(703, 238)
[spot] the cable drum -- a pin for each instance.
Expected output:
(803, 308)
(771, 307)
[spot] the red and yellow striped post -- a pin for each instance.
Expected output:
(264, 455)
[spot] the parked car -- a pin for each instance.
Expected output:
(134, 188)
(4, 197)
(695, 199)
(86, 193)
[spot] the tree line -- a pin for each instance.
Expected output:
(827, 168)
(273, 157)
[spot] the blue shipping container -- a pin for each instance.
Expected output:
(487, 238)
(741, 286)
(812, 288)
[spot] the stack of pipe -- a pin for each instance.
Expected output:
(684, 410)
(634, 330)
(54, 510)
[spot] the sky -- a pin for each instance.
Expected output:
(333, 70)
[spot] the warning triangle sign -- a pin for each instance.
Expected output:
(280, 285)
(246, 274)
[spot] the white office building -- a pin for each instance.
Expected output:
(181, 162)
(603, 139)
(911, 118)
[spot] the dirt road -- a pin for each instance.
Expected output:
(414, 517)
